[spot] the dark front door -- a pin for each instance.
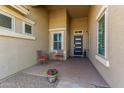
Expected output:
(78, 47)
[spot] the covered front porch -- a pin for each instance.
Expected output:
(73, 73)
(55, 30)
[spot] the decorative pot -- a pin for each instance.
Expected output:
(52, 78)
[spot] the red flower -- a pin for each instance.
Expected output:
(52, 71)
(57, 70)
(49, 73)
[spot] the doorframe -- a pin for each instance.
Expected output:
(82, 41)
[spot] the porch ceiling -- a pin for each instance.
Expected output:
(75, 11)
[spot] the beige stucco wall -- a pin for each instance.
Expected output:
(67, 34)
(78, 24)
(16, 53)
(113, 74)
(58, 19)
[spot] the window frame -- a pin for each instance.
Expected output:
(12, 22)
(104, 15)
(62, 39)
(57, 41)
(24, 23)
(103, 58)
(11, 32)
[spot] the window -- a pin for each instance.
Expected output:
(78, 32)
(6, 21)
(7, 26)
(101, 36)
(57, 41)
(28, 29)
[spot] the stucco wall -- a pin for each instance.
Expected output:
(113, 74)
(57, 18)
(16, 53)
(78, 24)
(68, 34)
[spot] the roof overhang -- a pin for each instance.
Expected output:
(21, 9)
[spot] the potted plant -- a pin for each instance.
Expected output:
(52, 75)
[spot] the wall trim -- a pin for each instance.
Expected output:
(16, 35)
(57, 29)
(101, 11)
(102, 60)
(21, 9)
